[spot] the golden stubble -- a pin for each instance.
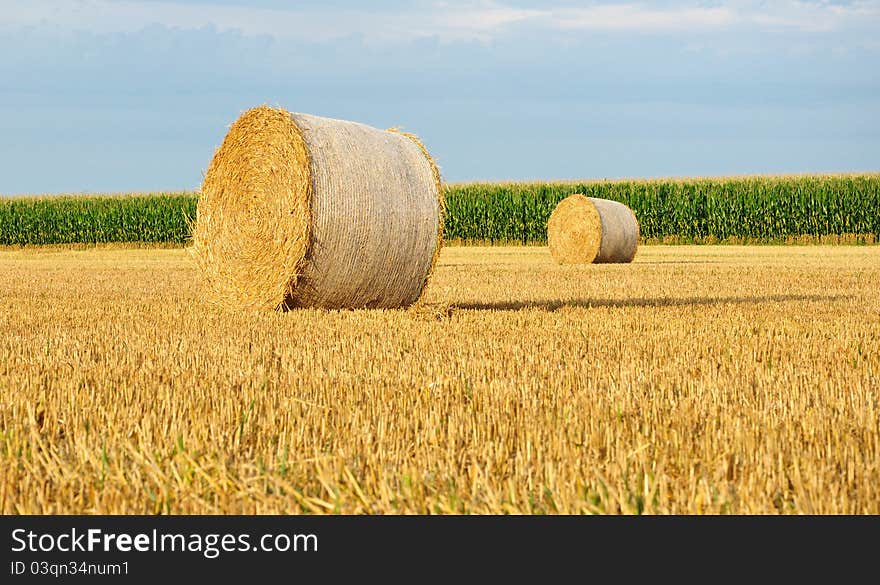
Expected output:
(695, 380)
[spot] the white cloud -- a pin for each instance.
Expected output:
(641, 17)
(821, 16)
(485, 18)
(446, 21)
(755, 15)
(480, 20)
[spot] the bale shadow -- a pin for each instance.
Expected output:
(639, 302)
(668, 262)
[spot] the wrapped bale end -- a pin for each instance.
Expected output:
(583, 230)
(302, 211)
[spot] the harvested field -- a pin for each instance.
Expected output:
(697, 379)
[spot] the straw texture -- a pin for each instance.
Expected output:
(620, 231)
(574, 231)
(584, 230)
(337, 215)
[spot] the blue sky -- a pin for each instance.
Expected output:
(102, 96)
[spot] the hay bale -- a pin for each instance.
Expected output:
(302, 211)
(586, 229)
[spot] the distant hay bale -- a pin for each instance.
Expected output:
(302, 211)
(583, 229)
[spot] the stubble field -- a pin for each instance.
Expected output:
(697, 379)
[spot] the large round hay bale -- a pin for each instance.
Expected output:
(302, 211)
(587, 229)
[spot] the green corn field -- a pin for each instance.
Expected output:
(157, 218)
(762, 209)
(755, 209)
